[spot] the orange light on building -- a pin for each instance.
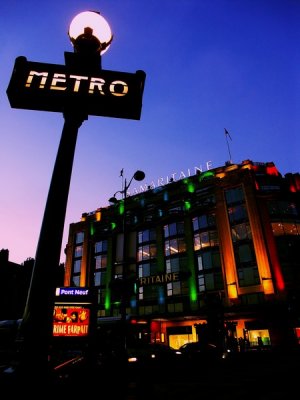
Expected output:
(268, 285)
(232, 290)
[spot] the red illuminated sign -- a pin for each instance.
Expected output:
(71, 320)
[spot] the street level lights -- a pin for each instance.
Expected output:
(36, 327)
(138, 176)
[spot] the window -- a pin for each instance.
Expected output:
(147, 235)
(146, 252)
(204, 221)
(150, 292)
(173, 289)
(176, 264)
(210, 281)
(77, 266)
(101, 293)
(280, 229)
(172, 265)
(101, 246)
(174, 229)
(78, 251)
(79, 238)
(100, 261)
(141, 293)
(241, 232)
(245, 253)
(248, 276)
(205, 239)
(201, 283)
(118, 271)
(237, 213)
(76, 280)
(99, 278)
(208, 260)
(147, 269)
(246, 265)
(205, 201)
(282, 208)
(234, 196)
(174, 246)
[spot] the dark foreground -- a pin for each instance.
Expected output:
(253, 375)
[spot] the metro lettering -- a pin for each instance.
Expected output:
(61, 82)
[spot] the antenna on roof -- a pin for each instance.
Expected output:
(226, 136)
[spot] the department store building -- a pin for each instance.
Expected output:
(213, 256)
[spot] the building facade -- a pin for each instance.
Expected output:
(215, 256)
(15, 279)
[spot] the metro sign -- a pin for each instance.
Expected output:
(52, 87)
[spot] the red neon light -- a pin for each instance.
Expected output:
(272, 170)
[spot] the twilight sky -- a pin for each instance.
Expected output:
(209, 64)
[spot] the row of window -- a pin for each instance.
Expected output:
(205, 245)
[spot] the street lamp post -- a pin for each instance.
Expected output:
(138, 176)
(36, 327)
(77, 89)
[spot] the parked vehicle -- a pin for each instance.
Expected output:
(201, 352)
(153, 353)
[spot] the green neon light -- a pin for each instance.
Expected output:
(187, 205)
(193, 291)
(206, 174)
(190, 185)
(107, 302)
(113, 225)
(92, 229)
(121, 207)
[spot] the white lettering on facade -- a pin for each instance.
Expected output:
(81, 292)
(74, 292)
(67, 291)
(164, 278)
(171, 178)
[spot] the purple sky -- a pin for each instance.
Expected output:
(210, 65)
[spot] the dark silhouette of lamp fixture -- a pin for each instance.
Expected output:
(137, 176)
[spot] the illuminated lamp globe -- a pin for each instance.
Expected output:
(90, 33)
